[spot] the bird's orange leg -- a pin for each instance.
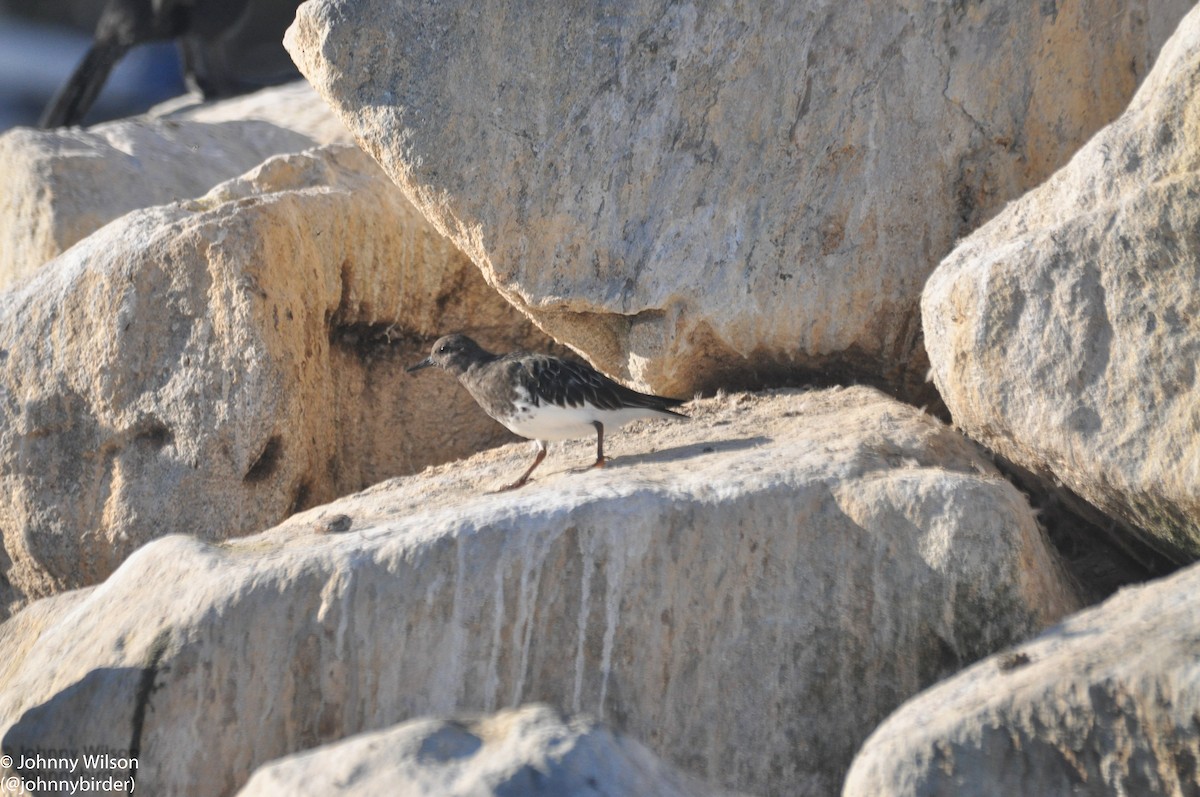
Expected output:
(541, 454)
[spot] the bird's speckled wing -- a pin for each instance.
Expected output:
(572, 384)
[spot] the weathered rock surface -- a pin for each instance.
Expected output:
(700, 195)
(1064, 334)
(62, 185)
(1104, 704)
(292, 106)
(210, 367)
(532, 751)
(748, 594)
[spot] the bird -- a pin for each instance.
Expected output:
(542, 397)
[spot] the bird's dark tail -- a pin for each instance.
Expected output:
(72, 102)
(658, 404)
(666, 410)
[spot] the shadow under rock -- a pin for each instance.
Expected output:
(1101, 553)
(56, 750)
(90, 729)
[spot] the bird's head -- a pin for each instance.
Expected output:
(454, 353)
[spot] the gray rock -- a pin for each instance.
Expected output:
(748, 593)
(1064, 334)
(1104, 704)
(210, 367)
(700, 195)
(532, 751)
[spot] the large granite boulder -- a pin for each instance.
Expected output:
(209, 367)
(747, 593)
(62, 185)
(702, 195)
(1064, 334)
(1105, 703)
(528, 752)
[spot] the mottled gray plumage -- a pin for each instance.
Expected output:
(543, 397)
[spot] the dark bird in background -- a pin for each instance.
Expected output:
(544, 398)
(229, 47)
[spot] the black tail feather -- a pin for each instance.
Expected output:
(76, 97)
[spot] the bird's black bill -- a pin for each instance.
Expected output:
(423, 364)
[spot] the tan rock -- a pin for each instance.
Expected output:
(62, 185)
(748, 594)
(699, 195)
(1103, 704)
(210, 367)
(292, 106)
(1063, 334)
(532, 751)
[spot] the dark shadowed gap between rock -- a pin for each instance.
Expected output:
(1100, 552)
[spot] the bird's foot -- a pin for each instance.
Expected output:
(506, 488)
(599, 463)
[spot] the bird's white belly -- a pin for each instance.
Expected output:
(551, 422)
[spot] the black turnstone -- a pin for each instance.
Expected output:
(542, 397)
